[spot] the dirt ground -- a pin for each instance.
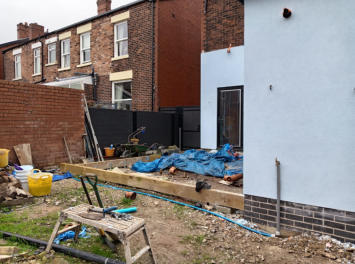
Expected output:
(177, 234)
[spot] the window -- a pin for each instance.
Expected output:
(37, 61)
(65, 51)
(121, 39)
(18, 66)
(85, 48)
(121, 95)
(52, 53)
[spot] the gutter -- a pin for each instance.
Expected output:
(153, 53)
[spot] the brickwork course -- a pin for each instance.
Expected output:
(222, 24)
(41, 115)
(301, 217)
(142, 58)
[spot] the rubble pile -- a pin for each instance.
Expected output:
(10, 188)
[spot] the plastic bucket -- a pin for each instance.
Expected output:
(109, 152)
(40, 183)
(4, 157)
(22, 176)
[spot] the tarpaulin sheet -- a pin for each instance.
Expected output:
(201, 162)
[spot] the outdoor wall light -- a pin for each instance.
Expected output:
(287, 13)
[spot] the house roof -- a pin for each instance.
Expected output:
(81, 22)
(14, 42)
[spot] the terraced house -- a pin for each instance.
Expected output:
(139, 56)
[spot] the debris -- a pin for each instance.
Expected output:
(172, 170)
(202, 185)
(328, 255)
(131, 195)
(8, 250)
(197, 161)
(234, 177)
(10, 188)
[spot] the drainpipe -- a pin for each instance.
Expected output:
(153, 52)
(94, 83)
(277, 164)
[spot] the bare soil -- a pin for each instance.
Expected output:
(182, 235)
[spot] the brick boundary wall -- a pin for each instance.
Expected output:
(301, 217)
(41, 115)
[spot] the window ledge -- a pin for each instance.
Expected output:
(120, 57)
(64, 69)
(17, 79)
(84, 65)
(50, 64)
(36, 74)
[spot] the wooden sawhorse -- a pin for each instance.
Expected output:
(122, 229)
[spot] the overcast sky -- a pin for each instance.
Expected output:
(52, 14)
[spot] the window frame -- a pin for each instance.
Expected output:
(37, 59)
(121, 100)
(62, 54)
(18, 73)
(82, 49)
(50, 49)
(116, 41)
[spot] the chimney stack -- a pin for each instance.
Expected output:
(22, 30)
(30, 31)
(103, 6)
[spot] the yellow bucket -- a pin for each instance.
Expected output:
(4, 157)
(40, 183)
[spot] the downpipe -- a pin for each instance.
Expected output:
(278, 187)
(65, 250)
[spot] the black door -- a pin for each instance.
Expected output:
(230, 116)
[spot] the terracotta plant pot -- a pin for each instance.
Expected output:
(131, 195)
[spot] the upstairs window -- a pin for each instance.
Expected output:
(85, 56)
(37, 61)
(122, 95)
(65, 53)
(121, 39)
(18, 66)
(52, 48)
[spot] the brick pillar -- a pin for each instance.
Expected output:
(103, 6)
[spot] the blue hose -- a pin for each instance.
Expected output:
(187, 205)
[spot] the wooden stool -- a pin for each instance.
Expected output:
(122, 229)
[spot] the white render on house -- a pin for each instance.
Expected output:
(218, 69)
(307, 119)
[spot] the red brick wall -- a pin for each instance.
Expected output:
(41, 115)
(178, 58)
(222, 24)
(102, 50)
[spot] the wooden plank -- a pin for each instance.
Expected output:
(67, 150)
(223, 198)
(120, 163)
(23, 152)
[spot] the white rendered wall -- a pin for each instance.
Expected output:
(218, 69)
(307, 121)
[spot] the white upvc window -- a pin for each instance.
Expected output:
(85, 55)
(122, 95)
(37, 61)
(52, 50)
(65, 53)
(18, 66)
(121, 39)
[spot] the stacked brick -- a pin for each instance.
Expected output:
(302, 218)
(42, 116)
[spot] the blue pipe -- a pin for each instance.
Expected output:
(126, 210)
(187, 205)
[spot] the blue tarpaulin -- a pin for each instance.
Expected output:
(67, 175)
(201, 162)
(70, 235)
